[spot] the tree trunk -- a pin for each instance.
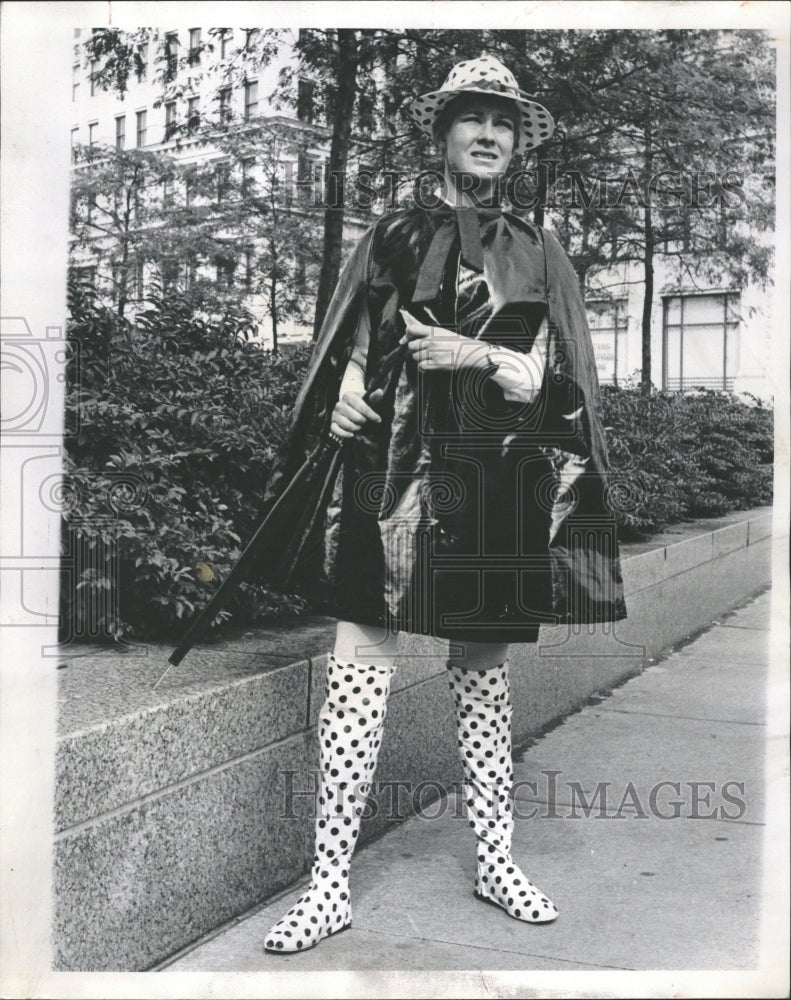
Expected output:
(123, 291)
(648, 270)
(345, 81)
(273, 307)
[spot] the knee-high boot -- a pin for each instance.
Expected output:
(350, 732)
(483, 720)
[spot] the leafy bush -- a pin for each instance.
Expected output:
(172, 428)
(676, 457)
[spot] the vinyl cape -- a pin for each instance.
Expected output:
(411, 486)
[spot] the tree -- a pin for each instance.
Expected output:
(261, 230)
(654, 124)
(117, 212)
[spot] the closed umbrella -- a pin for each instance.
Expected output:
(287, 517)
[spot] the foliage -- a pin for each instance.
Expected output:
(676, 457)
(172, 430)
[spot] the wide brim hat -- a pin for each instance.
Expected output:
(485, 75)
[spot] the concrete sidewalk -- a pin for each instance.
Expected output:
(641, 816)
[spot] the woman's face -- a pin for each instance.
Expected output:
(480, 139)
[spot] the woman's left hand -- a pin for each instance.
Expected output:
(436, 349)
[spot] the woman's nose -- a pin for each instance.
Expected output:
(487, 130)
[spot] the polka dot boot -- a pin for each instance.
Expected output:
(350, 732)
(483, 720)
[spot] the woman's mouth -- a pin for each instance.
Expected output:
(480, 154)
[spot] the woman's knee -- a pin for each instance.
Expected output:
(479, 655)
(365, 644)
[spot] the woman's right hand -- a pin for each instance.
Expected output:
(351, 413)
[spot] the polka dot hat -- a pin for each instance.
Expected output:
(485, 75)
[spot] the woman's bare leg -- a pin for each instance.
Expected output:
(365, 644)
(479, 655)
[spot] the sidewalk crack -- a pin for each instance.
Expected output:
(673, 715)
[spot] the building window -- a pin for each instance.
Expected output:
(86, 275)
(169, 270)
(170, 120)
(90, 205)
(308, 180)
(75, 81)
(226, 35)
(223, 182)
(190, 270)
(120, 132)
(251, 98)
(225, 270)
(247, 175)
(366, 106)
(700, 341)
(306, 92)
(141, 68)
(193, 114)
(94, 71)
(167, 192)
(247, 261)
(138, 281)
(194, 53)
(142, 127)
(608, 325)
(330, 98)
(92, 130)
(171, 55)
(75, 141)
(250, 38)
(225, 104)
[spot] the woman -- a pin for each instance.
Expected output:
(471, 504)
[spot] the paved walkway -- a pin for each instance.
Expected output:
(642, 816)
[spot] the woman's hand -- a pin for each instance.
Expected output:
(351, 413)
(436, 349)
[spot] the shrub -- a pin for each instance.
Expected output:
(172, 428)
(685, 456)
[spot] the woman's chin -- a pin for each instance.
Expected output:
(478, 179)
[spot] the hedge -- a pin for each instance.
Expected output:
(172, 427)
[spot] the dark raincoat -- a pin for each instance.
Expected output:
(462, 515)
